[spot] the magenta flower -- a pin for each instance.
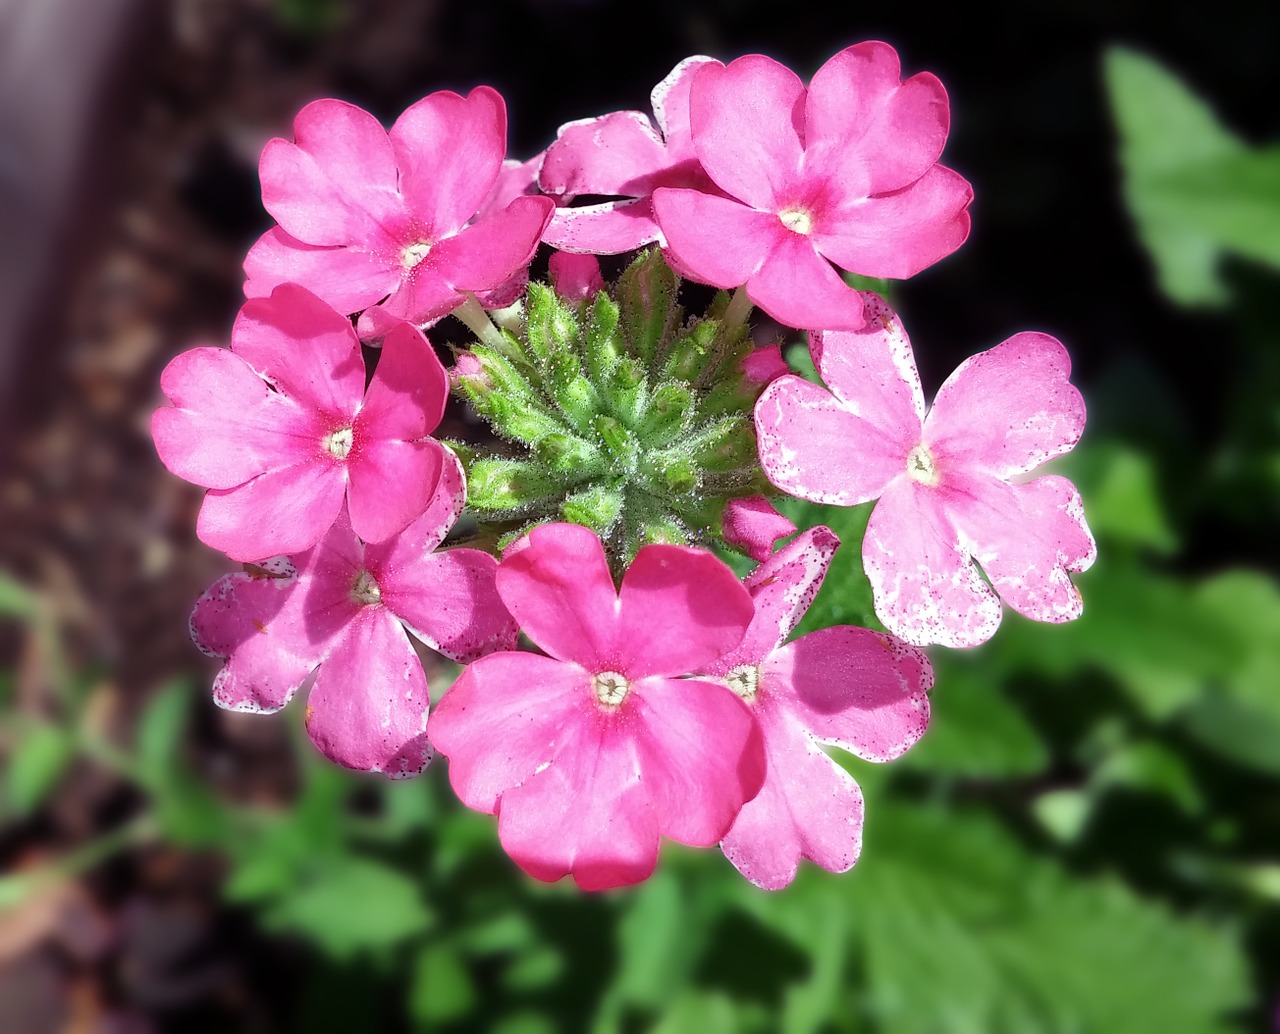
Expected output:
(950, 485)
(591, 754)
(859, 690)
(280, 428)
(365, 214)
(622, 155)
(344, 607)
(844, 172)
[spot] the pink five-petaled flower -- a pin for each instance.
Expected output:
(280, 428)
(845, 171)
(344, 607)
(950, 485)
(860, 690)
(621, 155)
(588, 756)
(365, 214)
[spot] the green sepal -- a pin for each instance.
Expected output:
(569, 456)
(727, 443)
(692, 354)
(519, 419)
(620, 445)
(597, 507)
(626, 389)
(679, 475)
(666, 416)
(497, 485)
(648, 312)
(602, 342)
(574, 394)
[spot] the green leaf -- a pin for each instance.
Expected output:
(41, 756)
(350, 905)
(964, 930)
(16, 600)
(1122, 497)
(845, 597)
(442, 988)
(1171, 143)
(160, 731)
(975, 732)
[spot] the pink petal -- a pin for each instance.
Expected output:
(1026, 537)
(588, 813)
(1007, 410)
(424, 296)
(347, 278)
(866, 127)
(406, 397)
(514, 180)
(715, 240)
(391, 484)
(617, 153)
(679, 609)
(305, 348)
(861, 690)
(809, 807)
(490, 251)
(282, 511)
(507, 716)
(898, 234)
(225, 426)
(605, 229)
(257, 626)
(426, 533)
(368, 707)
(873, 372)
(558, 588)
(670, 100)
(747, 123)
(576, 278)
(781, 590)
(450, 150)
(337, 183)
(926, 590)
(701, 755)
(814, 447)
(797, 287)
(753, 525)
(449, 600)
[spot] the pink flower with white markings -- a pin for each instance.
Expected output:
(406, 216)
(622, 155)
(843, 172)
(590, 755)
(343, 608)
(859, 690)
(281, 429)
(950, 484)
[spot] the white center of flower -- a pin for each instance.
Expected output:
(365, 591)
(797, 219)
(338, 443)
(920, 466)
(611, 688)
(414, 254)
(745, 681)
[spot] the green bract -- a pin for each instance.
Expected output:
(624, 416)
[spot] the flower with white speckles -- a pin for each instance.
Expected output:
(341, 611)
(949, 484)
(862, 691)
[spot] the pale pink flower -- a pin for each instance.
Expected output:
(280, 428)
(591, 754)
(859, 690)
(622, 155)
(844, 172)
(420, 216)
(343, 608)
(950, 484)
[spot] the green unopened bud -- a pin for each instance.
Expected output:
(519, 420)
(551, 324)
(659, 531)
(646, 296)
(602, 341)
(729, 444)
(626, 389)
(666, 416)
(620, 445)
(678, 475)
(574, 394)
(569, 456)
(500, 484)
(597, 507)
(693, 354)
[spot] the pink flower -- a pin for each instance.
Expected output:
(950, 484)
(591, 754)
(344, 607)
(844, 172)
(280, 428)
(621, 154)
(751, 524)
(862, 691)
(366, 215)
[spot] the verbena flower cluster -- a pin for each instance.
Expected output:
(656, 694)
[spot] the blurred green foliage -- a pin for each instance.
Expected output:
(1086, 840)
